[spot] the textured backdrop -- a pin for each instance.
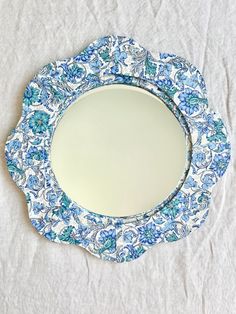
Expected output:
(194, 275)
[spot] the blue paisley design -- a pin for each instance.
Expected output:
(116, 60)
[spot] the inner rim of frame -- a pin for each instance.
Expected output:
(92, 186)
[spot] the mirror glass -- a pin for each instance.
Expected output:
(118, 150)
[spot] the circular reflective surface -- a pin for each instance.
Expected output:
(118, 150)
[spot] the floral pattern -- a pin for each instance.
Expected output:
(30, 95)
(38, 122)
(190, 101)
(116, 60)
(149, 233)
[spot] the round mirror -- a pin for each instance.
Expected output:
(118, 151)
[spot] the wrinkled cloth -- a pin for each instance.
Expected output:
(194, 275)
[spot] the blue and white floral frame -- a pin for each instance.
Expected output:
(116, 60)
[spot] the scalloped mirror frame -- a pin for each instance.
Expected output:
(116, 60)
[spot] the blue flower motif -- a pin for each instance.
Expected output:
(81, 235)
(118, 223)
(119, 56)
(86, 54)
(83, 230)
(199, 201)
(149, 233)
(219, 164)
(191, 81)
(105, 55)
(52, 71)
(73, 72)
(33, 182)
(165, 83)
(190, 183)
(208, 181)
(95, 220)
(114, 69)
(217, 134)
(165, 69)
(167, 86)
(95, 65)
(68, 234)
(202, 128)
(51, 197)
(198, 157)
(35, 153)
(108, 239)
(190, 101)
(177, 205)
(128, 236)
(171, 237)
(50, 235)
(93, 80)
(203, 199)
(44, 96)
(39, 122)
(13, 166)
(37, 207)
(38, 223)
(64, 210)
(103, 41)
(58, 94)
(31, 95)
(14, 145)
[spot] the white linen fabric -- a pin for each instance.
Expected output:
(193, 275)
